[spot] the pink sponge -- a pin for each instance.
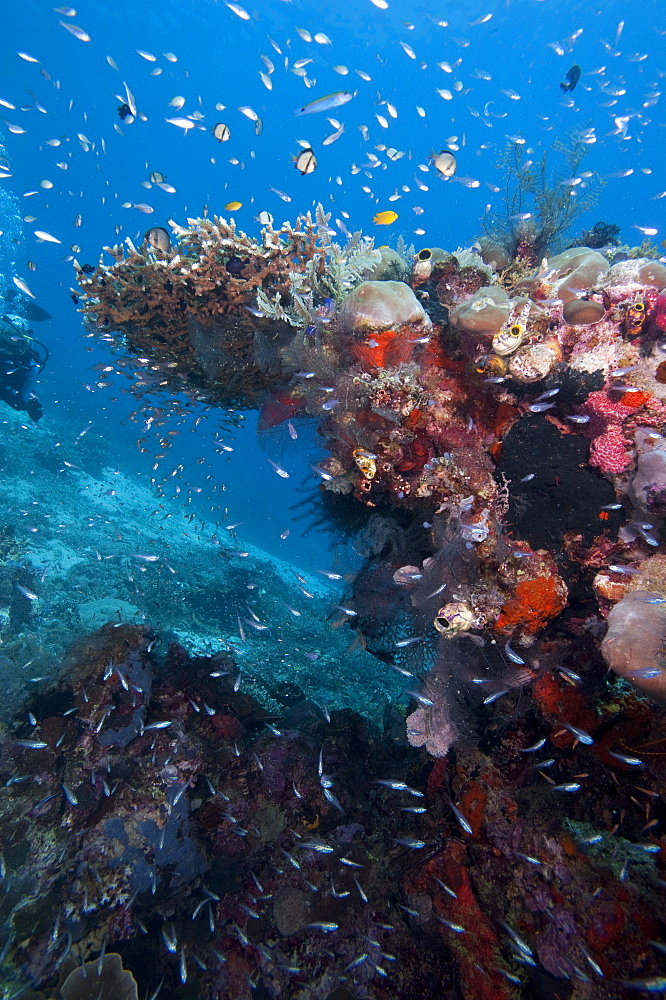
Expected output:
(609, 452)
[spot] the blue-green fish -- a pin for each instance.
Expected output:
(655, 985)
(326, 103)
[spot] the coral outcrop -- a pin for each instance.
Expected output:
(416, 385)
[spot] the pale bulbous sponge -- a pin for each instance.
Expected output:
(634, 646)
(374, 306)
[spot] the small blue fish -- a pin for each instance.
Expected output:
(445, 887)
(633, 761)
(495, 697)
(398, 786)
(535, 746)
(346, 611)
(421, 698)
(657, 984)
(70, 796)
(526, 857)
(625, 570)
(513, 656)
(317, 845)
(290, 858)
(520, 943)
(464, 822)
(339, 895)
(356, 962)
(363, 895)
(580, 734)
(278, 468)
(456, 928)
(569, 674)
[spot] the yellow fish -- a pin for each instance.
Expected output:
(233, 206)
(384, 218)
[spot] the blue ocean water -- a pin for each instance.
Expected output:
(468, 77)
(502, 77)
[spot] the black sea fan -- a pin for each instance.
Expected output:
(540, 207)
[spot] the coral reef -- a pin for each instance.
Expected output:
(496, 424)
(230, 849)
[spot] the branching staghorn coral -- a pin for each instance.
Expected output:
(345, 266)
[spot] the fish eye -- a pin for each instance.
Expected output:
(515, 330)
(425, 254)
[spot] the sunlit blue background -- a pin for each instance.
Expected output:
(218, 60)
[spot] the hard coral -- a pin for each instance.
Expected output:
(209, 326)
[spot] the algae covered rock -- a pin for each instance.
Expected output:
(94, 614)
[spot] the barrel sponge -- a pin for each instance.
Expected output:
(582, 312)
(576, 270)
(374, 306)
(648, 486)
(634, 644)
(103, 979)
(484, 313)
(640, 271)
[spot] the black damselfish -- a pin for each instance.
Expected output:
(571, 79)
